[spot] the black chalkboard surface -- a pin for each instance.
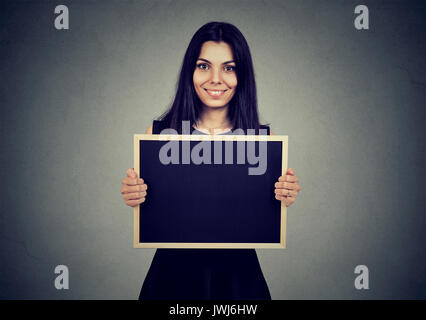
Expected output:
(216, 203)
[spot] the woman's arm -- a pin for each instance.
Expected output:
(287, 187)
(133, 188)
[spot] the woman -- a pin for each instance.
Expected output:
(216, 93)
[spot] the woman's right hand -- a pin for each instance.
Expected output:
(133, 189)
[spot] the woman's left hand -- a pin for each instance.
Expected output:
(287, 187)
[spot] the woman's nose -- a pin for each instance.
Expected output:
(215, 75)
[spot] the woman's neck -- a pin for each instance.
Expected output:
(214, 120)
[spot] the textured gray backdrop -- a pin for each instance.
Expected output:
(352, 103)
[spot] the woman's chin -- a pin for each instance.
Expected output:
(215, 105)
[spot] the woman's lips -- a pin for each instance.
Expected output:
(215, 93)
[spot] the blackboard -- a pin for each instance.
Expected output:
(219, 203)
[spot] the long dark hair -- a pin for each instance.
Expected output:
(243, 105)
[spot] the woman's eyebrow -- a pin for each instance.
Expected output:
(226, 62)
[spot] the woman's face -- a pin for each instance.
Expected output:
(215, 79)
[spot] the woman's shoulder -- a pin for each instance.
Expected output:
(158, 126)
(154, 128)
(265, 127)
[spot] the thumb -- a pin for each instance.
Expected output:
(290, 171)
(131, 173)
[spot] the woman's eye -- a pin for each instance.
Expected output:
(203, 66)
(229, 68)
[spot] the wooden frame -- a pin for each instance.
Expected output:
(221, 137)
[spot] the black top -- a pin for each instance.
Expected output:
(158, 126)
(204, 274)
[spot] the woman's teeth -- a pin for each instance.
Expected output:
(215, 92)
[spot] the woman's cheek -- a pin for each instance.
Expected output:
(231, 80)
(200, 77)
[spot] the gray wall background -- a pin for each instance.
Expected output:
(352, 103)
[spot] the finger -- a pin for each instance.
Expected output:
(288, 178)
(280, 198)
(132, 189)
(134, 203)
(290, 171)
(136, 188)
(131, 173)
(287, 185)
(286, 192)
(132, 181)
(288, 201)
(134, 195)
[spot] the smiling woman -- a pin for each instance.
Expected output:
(216, 87)
(214, 78)
(216, 93)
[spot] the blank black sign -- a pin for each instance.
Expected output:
(208, 203)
